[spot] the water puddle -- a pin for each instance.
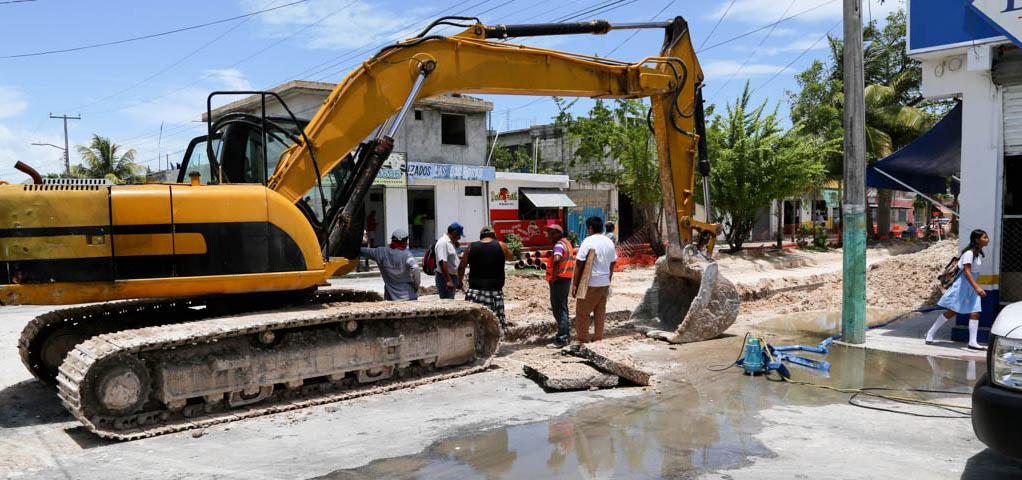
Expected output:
(701, 421)
(822, 322)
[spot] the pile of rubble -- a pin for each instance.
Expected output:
(900, 282)
(580, 367)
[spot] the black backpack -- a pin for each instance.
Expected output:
(429, 260)
(950, 273)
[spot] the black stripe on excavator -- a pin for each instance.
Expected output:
(231, 249)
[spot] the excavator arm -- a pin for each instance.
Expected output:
(386, 85)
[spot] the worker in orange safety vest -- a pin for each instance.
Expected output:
(560, 268)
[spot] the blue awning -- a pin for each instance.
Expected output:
(926, 163)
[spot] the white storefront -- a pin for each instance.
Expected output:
(965, 55)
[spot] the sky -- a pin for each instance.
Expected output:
(127, 90)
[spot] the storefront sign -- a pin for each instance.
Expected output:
(532, 232)
(940, 24)
(503, 198)
(1003, 15)
(443, 171)
(392, 174)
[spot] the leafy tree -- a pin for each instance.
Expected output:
(615, 144)
(755, 161)
(104, 159)
(893, 115)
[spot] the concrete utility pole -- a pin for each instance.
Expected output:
(853, 301)
(67, 154)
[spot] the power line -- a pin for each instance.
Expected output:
(719, 20)
(168, 67)
(636, 32)
(145, 37)
(764, 27)
(247, 58)
(754, 50)
(786, 67)
(185, 126)
(7, 2)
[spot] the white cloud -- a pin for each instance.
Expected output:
(724, 68)
(332, 24)
(12, 102)
(231, 78)
(759, 12)
(16, 144)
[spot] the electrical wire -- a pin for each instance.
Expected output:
(764, 27)
(8, 2)
(636, 32)
(786, 67)
(146, 37)
(958, 410)
(741, 350)
(755, 50)
(714, 29)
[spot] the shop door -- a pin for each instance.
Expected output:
(1011, 231)
(422, 216)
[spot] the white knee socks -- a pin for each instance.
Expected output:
(973, 332)
(937, 323)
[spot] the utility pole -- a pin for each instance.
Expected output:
(67, 155)
(853, 301)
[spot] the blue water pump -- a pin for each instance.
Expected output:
(755, 360)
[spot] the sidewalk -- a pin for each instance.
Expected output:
(907, 336)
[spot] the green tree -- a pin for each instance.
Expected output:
(755, 162)
(615, 145)
(104, 159)
(893, 118)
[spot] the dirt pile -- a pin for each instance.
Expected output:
(899, 282)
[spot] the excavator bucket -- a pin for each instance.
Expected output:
(690, 301)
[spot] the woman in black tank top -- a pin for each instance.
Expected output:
(486, 266)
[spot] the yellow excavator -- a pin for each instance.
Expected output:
(222, 318)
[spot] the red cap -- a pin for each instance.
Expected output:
(554, 226)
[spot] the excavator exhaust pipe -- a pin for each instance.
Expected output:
(690, 301)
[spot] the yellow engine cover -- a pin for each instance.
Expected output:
(62, 244)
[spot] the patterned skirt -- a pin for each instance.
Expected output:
(492, 299)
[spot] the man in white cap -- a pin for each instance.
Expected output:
(398, 267)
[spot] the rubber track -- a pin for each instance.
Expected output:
(132, 314)
(89, 353)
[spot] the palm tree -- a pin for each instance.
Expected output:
(104, 160)
(890, 125)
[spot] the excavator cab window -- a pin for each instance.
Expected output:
(195, 160)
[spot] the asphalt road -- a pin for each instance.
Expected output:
(497, 424)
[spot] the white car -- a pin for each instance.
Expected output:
(997, 397)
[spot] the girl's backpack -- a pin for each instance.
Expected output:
(429, 260)
(949, 274)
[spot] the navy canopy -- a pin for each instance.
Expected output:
(926, 163)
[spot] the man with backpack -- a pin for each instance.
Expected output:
(445, 252)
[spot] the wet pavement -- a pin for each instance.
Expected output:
(696, 424)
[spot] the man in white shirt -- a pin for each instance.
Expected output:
(598, 253)
(446, 251)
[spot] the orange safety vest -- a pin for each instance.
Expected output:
(565, 269)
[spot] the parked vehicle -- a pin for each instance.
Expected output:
(997, 397)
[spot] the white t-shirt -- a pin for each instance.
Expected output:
(603, 248)
(447, 252)
(967, 259)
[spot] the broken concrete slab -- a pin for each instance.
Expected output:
(567, 373)
(606, 358)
